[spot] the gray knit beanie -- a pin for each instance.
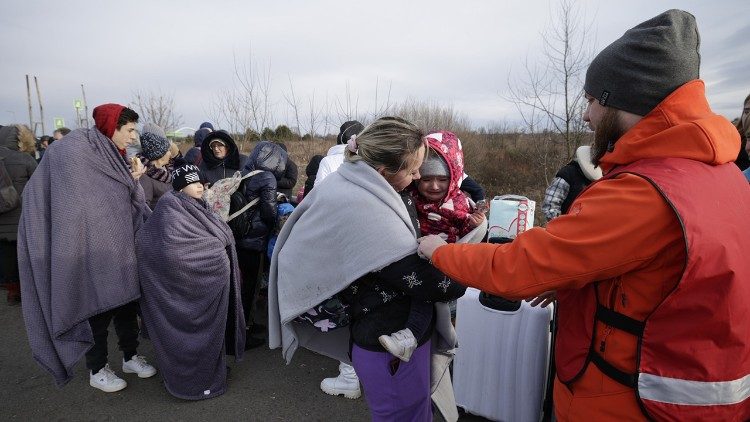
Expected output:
(641, 68)
(153, 128)
(434, 165)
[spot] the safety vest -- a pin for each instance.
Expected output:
(693, 356)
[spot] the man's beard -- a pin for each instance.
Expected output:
(606, 134)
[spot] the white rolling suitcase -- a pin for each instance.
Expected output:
(501, 364)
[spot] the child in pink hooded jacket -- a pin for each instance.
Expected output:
(444, 210)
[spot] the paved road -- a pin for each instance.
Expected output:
(261, 388)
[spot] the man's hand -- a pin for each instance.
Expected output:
(544, 299)
(428, 244)
(476, 219)
(137, 168)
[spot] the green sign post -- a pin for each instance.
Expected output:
(59, 122)
(78, 104)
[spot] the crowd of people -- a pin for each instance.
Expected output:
(649, 277)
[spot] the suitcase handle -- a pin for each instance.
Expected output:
(511, 197)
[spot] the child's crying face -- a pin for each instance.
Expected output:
(194, 190)
(433, 188)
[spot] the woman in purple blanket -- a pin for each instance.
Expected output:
(190, 291)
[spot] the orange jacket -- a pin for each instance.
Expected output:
(620, 231)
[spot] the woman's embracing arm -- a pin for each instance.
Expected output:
(419, 279)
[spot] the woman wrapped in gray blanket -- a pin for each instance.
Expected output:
(190, 289)
(371, 261)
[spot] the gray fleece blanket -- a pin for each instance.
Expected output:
(190, 284)
(76, 246)
(351, 224)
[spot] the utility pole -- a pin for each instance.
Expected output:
(41, 109)
(86, 106)
(28, 98)
(79, 121)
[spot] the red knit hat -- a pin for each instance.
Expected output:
(105, 118)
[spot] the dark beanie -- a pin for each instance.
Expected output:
(637, 71)
(200, 135)
(206, 125)
(184, 174)
(105, 118)
(348, 129)
(154, 146)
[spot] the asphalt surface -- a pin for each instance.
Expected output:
(260, 388)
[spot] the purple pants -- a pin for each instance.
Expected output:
(401, 396)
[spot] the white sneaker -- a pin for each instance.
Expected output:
(138, 365)
(106, 380)
(346, 383)
(401, 344)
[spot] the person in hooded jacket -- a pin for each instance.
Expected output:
(271, 159)
(194, 156)
(17, 147)
(221, 157)
(653, 317)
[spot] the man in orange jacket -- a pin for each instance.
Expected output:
(653, 315)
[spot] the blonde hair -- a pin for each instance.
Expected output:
(387, 142)
(26, 140)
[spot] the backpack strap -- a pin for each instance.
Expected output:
(251, 174)
(243, 209)
(249, 204)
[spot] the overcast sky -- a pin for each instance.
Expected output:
(453, 53)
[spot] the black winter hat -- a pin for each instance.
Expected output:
(348, 129)
(184, 174)
(641, 68)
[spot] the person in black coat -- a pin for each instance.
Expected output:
(221, 157)
(311, 171)
(288, 180)
(17, 145)
(271, 159)
(193, 156)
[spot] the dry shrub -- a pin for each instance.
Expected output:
(431, 116)
(513, 163)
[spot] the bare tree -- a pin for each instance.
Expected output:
(549, 94)
(348, 109)
(246, 107)
(382, 109)
(254, 86)
(157, 107)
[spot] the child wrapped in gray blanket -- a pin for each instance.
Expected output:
(190, 289)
